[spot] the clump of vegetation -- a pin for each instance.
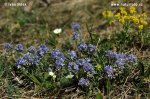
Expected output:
(93, 68)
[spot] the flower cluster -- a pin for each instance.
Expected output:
(74, 65)
(131, 58)
(20, 61)
(32, 49)
(131, 16)
(121, 59)
(110, 54)
(8, 46)
(58, 56)
(19, 47)
(32, 57)
(128, 15)
(72, 55)
(84, 63)
(75, 26)
(107, 14)
(83, 82)
(42, 50)
(82, 46)
(75, 36)
(91, 48)
(109, 70)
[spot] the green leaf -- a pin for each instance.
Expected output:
(32, 77)
(99, 96)
(147, 72)
(1, 70)
(141, 67)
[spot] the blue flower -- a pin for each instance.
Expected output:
(74, 65)
(59, 62)
(19, 47)
(75, 36)
(72, 54)
(31, 58)
(120, 62)
(131, 58)
(87, 59)
(75, 26)
(27, 55)
(91, 48)
(40, 53)
(109, 70)
(83, 82)
(55, 53)
(120, 59)
(8, 46)
(32, 49)
(70, 64)
(81, 62)
(44, 48)
(58, 56)
(82, 46)
(88, 68)
(120, 56)
(20, 61)
(110, 54)
(84, 62)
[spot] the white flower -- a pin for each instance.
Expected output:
(57, 30)
(52, 74)
(69, 76)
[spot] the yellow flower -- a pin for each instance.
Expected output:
(104, 14)
(118, 15)
(126, 17)
(110, 14)
(143, 22)
(122, 20)
(98, 67)
(144, 15)
(140, 27)
(107, 14)
(132, 10)
(135, 19)
(123, 11)
(138, 15)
